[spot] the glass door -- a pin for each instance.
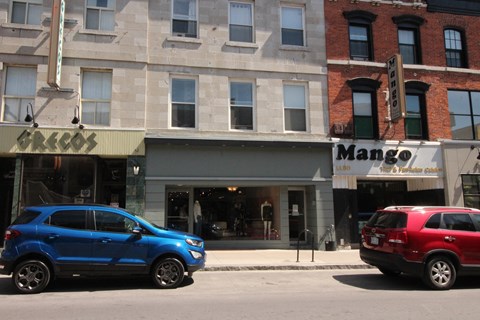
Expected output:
(296, 213)
(178, 209)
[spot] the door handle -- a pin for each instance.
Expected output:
(53, 236)
(449, 239)
(105, 240)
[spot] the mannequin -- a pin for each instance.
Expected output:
(266, 211)
(197, 214)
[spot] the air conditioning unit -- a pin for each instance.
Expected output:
(338, 128)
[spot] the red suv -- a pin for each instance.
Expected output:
(434, 243)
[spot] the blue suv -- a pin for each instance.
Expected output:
(63, 241)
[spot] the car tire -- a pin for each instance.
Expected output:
(389, 272)
(168, 273)
(31, 276)
(440, 273)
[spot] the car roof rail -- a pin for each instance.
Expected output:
(417, 208)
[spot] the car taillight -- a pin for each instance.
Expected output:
(397, 237)
(11, 234)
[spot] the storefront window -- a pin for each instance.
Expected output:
(471, 190)
(247, 213)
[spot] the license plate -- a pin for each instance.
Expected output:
(374, 240)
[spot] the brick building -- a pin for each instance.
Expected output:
(428, 156)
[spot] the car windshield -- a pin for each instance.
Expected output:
(26, 216)
(384, 219)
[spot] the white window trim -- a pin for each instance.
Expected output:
(114, 10)
(170, 100)
(80, 111)
(286, 46)
(307, 105)
(252, 4)
(5, 96)
(196, 19)
(254, 105)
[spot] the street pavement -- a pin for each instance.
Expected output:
(240, 260)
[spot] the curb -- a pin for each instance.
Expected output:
(288, 267)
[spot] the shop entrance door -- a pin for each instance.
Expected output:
(178, 210)
(7, 177)
(296, 213)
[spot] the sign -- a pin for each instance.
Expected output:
(396, 87)
(388, 159)
(56, 44)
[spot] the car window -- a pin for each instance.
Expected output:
(458, 221)
(434, 221)
(476, 218)
(73, 219)
(26, 216)
(382, 219)
(113, 222)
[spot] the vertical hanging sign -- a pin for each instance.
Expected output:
(56, 44)
(396, 87)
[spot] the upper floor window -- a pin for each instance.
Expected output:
(27, 12)
(293, 26)
(20, 88)
(416, 113)
(241, 105)
(295, 107)
(464, 107)
(96, 97)
(454, 51)
(184, 96)
(241, 21)
(100, 15)
(184, 18)
(409, 38)
(365, 118)
(360, 34)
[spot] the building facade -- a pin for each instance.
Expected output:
(419, 151)
(204, 116)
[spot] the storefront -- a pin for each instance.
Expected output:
(240, 194)
(372, 175)
(51, 165)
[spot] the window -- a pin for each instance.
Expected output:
(27, 12)
(241, 21)
(458, 221)
(415, 118)
(20, 88)
(72, 219)
(241, 105)
(295, 105)
(434, 221)
(454, 51)
(292, 26)
(100, 15)
(184, 18)
(464, 107)
(471, 190)
(183, 102)
(409, 37)
(96, 97)
(360, 34)
(363, 115)
(112, 222)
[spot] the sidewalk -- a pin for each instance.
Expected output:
(239, 260)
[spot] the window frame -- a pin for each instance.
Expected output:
(305, 107)
(282, 19)
(251, 126)
(252, 26)
(177, 18)
(171, 102)
(100, 12)
(28, 4)
(461, 53)
(356, 117)
(23, 99)
(475, 134)
(411, 23)
(363, 19)
(96, 101)
(419, 90)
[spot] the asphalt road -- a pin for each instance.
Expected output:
(298, 295)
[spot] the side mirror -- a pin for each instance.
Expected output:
(137, 231)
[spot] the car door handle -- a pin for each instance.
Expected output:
(53, 236)
(449, 238)
(105, 240)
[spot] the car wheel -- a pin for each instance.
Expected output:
(168, 273)
(31, 276)
(440, 273)
(389, 272)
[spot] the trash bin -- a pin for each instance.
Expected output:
(330, 246)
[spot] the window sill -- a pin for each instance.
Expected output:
(184, 40)
(294, 48)
(31, 27)
(98, 32)
(238, 44)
